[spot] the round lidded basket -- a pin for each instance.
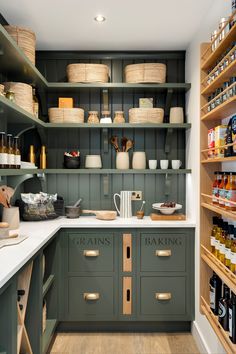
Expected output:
(146, 115)
(154, 73)
(93, 117)
(23, 94)
(66, 115)
(25, 39)
(88, 73)
(119, 117)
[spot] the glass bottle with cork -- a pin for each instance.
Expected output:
(213, 233)
(217, 238)
(17, 152)
(233, 254)
(43, 157)
(32, 156)
(3, 151)
(10, 152)
(228, 244)
(223, 237)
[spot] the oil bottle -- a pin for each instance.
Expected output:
(215, 292)
(232, 318)
(223, 313)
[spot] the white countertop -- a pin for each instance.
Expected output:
(12, 258)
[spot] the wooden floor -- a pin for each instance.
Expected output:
(124, 343)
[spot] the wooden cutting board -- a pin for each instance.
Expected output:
(158, 217)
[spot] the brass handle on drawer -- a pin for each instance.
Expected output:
(91, 253)
(91, 296)
(163, 253)
(163, 296)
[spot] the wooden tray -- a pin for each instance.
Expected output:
(158, 217)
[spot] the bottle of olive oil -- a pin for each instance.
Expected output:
(10, 152)
(223, 237)
(228, 243)
(213, 233)
(215, 292)
(17, 153)
(233, 254)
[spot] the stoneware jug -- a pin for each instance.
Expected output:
(125, 204)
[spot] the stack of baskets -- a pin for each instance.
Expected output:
(23, 94)
(88, 73)
(66, 115)
(145, 73)
(25, 39)
(146, 115)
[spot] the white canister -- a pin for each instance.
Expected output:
(139, 160)
(176, 115)
(12, 217)
(122, 160)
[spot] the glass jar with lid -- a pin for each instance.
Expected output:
(93, 117)
(119, 117)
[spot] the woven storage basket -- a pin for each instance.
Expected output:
(23, 94)
(66, 115)
(87, 73)
(25, 39)
(145, 73)
(146, 115)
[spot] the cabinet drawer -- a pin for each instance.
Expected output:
(163, 295)
(91, 298)
(163, 252)
(90, 252)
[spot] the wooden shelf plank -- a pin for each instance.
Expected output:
(228, 214)
(47, 284)
(223, 111)
(219, 268)
(48, 334)
(219, 330)
(219, 159)
(224, 76)
(212, 58)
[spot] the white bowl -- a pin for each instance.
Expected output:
(93, 161)
(164, 210)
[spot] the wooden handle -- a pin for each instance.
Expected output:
(127, 253)
(91, 296)
(91, 253)
(89, 211)
(127, 296)
(163, 296)
(163, 253)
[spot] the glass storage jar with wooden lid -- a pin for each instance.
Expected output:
(119, 117)
(93, 117)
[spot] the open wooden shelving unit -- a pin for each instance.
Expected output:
(208, 166)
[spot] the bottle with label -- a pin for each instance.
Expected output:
(223, 311)
(35, 104)
(228, 140)
(232, 318)
(17, 153)
(221, 253)
(3, 151)
(215, 293)
(10, 152)
(215, 188)
(213, 233)
(228, 244)
(230, 192)
(32, 157)
(222, 189)
(217, 242)
(233, 254)
(43, 158)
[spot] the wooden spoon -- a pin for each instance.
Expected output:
(114, 142)
(123, 143)
(6, 193)
(129, 145)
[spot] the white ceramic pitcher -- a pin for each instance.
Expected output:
(125, 204)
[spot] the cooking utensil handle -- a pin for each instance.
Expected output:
(89, 211)
(114, 198)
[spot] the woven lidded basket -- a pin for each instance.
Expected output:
(145, 73)
(87, 73)
(66, 115)
(23, 94)
(25, 39)
(146, 115)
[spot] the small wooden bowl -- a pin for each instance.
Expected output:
(140, 214)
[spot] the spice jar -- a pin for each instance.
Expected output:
(93, 117)
(10, 95)
(119, 117)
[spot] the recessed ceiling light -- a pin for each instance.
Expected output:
(100, 18)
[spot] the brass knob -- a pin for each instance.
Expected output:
(163, 253)
(91, 253)
(91, 296)
(163, 296)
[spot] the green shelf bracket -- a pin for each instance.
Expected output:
(26, 130)
(106, 185)
(168, 101)
(168, 141)
(167, 184)
(105, 99)
(16, 181)
(105, 140)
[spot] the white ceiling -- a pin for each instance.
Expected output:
(130, 24)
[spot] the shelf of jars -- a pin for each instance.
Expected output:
(216, 153)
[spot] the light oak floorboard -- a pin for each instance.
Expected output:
(124, 343)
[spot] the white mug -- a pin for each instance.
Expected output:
(176, 164)
(139, 160)
(164, 164)
(125, 210)
(152, 164)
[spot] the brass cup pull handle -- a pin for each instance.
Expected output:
(91, 253)
(163, 296)
(91, 296)
(163, 253)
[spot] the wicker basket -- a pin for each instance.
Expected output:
(146, 115)
(23, 94)
(25, 39)
(87, 73)
(145, 73)
(66, 115)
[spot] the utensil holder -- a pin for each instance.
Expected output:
(122, 160)
(12, 217)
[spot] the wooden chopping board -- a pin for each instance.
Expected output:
(158, 217)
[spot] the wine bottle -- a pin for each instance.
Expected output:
(215, 292)
(223, 311)
(10, 152)
(232, 318)
(3, 151)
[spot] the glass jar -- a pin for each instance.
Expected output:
(119, 117)
(106, 114)
(93, 117)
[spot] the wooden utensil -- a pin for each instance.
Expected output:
(123, 143)
(7, 193)
(114, 142)
(102, 214)
(129, 145)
